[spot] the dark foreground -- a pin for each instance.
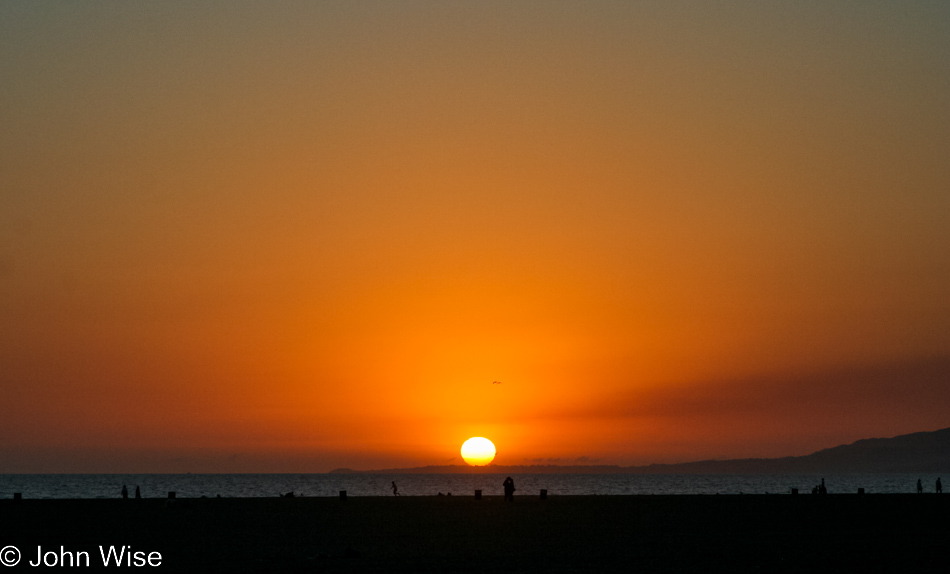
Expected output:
(751, 533)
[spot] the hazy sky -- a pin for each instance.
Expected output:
(294, 236)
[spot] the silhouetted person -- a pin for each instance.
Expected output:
(395, 489)
(939, 486)
(509, 485)
(138, 493)
(125, 492)
(920, 487)
(822, 489)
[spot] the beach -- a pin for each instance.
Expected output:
(747, 533)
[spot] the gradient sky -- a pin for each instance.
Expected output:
(295, 236)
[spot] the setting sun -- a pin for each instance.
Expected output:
(478, 451)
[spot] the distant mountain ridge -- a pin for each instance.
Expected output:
(923, 452)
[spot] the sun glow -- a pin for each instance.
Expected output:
(478, 451)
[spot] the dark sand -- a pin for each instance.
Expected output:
(751, 533)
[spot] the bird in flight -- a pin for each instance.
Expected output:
(496, 382)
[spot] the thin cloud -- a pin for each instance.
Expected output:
(772, 415)
(586, 459)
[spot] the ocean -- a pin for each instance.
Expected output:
(65, 486)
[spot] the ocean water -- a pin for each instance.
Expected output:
(271, 485)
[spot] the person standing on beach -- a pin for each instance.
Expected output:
(939, 486)
(395, 489)
(920, 487)
(125, 491)
(509, 485)
(138, 493)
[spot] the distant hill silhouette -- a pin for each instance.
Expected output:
(923, 452)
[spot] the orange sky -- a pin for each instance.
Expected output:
(289, 237)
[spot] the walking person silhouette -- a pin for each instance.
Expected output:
(395, 489)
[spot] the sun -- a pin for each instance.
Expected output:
(478, 451)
